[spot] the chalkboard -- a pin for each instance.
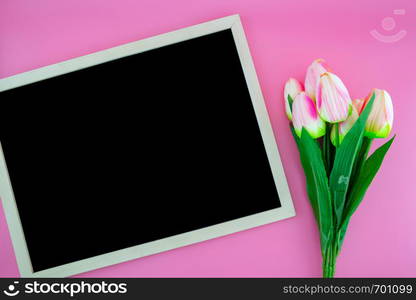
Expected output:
(135, 150)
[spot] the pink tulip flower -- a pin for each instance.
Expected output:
(313, 74)
(292, 89)
(380, 120)
(332, 99)
(306, 116)
(358, 104)
(344, 127)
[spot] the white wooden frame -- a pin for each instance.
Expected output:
(285, 211)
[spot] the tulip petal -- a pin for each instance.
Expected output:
(313, 74)
(332, 99)
(291, 90)
(359, 104)
(344, 127)
(306, 116)
(380, 120)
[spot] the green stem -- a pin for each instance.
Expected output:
(334, 259)
(329, 261)
(337, 134)
(325, 260)
(326, 267)
(327, 149)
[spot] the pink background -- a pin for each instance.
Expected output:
(284, 37)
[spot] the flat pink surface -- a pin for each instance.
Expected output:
(284, 37)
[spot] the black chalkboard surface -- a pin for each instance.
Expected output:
(134, 150)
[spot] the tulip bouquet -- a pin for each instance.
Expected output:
(334, 134)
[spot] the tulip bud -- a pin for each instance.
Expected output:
(344, 127)
(358, 104)
(380, 120)
(306, 116)
(313, 74)
(332, 99)
(292, 89)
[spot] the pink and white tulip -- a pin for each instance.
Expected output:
(313, 74)
(306, 116)
(358, 104)
(292, 89)
(332, 99)
(380, 120)
(344, 127)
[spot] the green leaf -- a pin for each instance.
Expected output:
(316, 185)
(364, 179)
(358, 163)
(344, 159)
(289, 98)
(311, 189)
